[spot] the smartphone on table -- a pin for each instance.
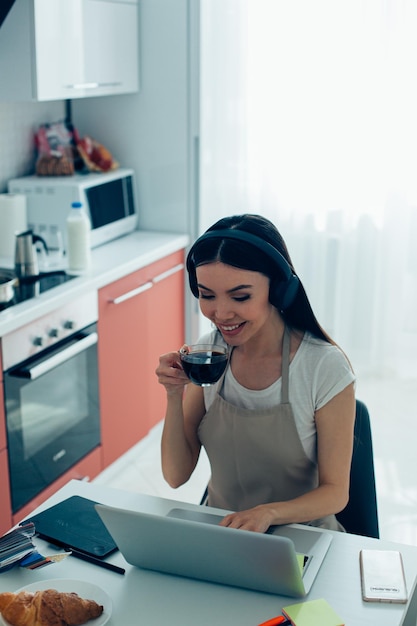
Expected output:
(382, 576)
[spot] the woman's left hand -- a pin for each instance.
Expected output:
(258, 519)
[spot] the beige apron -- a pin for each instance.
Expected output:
(257, 457)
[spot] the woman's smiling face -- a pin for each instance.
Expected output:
(235, 300)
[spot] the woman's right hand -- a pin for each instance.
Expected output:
(170, 373)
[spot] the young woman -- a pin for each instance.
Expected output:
(278, 426)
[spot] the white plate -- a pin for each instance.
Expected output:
(83, 588)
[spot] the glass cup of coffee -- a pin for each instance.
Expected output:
(204, 364)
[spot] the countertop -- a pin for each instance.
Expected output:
(152, 598)
(109, 263)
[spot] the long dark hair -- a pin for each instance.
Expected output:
(241, 254)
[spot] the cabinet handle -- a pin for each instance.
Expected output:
(168, 273)
(113, 84)
(148, 285)
(92, 85)
(132, 293)
(82, 86)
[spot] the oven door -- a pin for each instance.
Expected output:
(52, 413)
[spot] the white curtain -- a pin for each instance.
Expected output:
(309, 117)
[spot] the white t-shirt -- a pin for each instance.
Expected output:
(318, 372)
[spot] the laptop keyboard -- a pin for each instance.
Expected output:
(212, 518)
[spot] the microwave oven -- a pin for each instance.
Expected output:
(108, 198)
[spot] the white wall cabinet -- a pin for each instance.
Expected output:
(66, 49)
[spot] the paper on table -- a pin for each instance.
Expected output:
(312, 613)
(16, 544)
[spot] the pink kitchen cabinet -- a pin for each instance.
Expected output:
(166, 326)
(140, 317)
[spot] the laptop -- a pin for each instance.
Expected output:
(191, 543)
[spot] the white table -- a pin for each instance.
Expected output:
(154, 599)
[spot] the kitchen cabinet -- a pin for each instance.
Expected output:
(166, 326)
(69, 49)
(141, 316)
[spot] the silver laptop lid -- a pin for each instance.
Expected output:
(313, 543)
(205, 551)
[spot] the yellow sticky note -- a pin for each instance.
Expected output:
(312, 613)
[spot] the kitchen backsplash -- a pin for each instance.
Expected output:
(18, 122)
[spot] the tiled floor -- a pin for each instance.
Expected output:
(140, 470)
(392, 406)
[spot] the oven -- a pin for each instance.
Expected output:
(51, 396)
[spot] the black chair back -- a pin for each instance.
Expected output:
(360, 517)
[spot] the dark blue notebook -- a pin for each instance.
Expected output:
(74, 523)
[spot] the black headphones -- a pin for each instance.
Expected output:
(282, 291)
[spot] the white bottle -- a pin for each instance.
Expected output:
(78, 238)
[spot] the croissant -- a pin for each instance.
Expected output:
(47, 608)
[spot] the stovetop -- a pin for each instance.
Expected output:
(23, 292)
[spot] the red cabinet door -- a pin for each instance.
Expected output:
(140, 316)
(166, 326)
(122, 364)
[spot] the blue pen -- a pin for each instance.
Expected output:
(32, 558)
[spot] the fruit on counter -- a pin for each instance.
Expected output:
(95, 156)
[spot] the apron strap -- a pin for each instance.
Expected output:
(285, 367)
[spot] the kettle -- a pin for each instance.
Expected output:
(26, 260)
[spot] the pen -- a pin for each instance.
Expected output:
(280, 620)
(96, 561)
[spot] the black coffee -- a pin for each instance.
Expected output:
(204, 368)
